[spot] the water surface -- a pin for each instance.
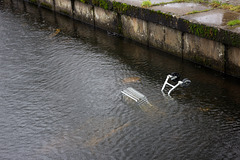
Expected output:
(60, 96)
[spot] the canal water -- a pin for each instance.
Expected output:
(60, 96)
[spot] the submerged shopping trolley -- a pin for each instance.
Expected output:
(175, 79)
(140, 99)
(134, 95)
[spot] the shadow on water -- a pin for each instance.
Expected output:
(77, 109)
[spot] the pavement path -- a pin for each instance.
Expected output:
(207, 15)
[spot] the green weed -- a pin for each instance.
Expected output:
(146, 4)
(234, 22)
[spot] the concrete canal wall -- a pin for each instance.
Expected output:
(209, 46)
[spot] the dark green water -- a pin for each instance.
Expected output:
(60, 96)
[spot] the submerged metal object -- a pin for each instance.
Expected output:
(140, 99)
(135, 96)
(175, 78)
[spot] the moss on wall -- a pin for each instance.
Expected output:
(64, 12)
(234, 39)
(120, 7)
(46, 5)
(212, 33)
(105, 4)
(203, 31)
(83, 1)
(33, 1)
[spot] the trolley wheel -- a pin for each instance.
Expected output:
(186, 82)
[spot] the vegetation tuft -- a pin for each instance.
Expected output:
(234, 22)
(146, 4)
(193, 12)
(193, 1)
(217, 4)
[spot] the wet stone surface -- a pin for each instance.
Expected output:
(233, 2)
(216, 17)
(181, 8)
(139, 2)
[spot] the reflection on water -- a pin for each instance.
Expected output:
(99, 129)
(61, 96)
(55, 33)
(131, 79)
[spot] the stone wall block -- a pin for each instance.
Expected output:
(33, 10)
(47, 4)
(233, 62)
(64, 7)
(173, 41)
(135, 29)
(205, 52)
(156, 35)
(19, 4)
(106, 19)
(83, 12)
